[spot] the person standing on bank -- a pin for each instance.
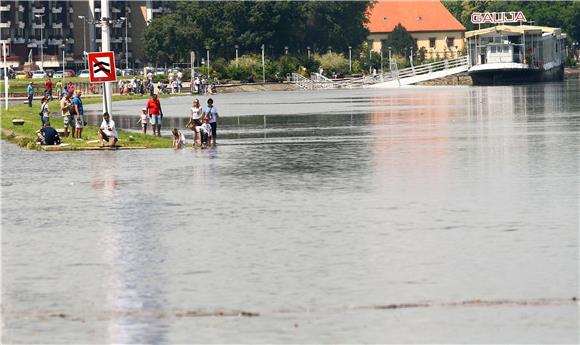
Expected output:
(67, 118)
(48, 89)
(212, 114)
(79, 115)
(44, 112)
(155, 113)
(30, 90)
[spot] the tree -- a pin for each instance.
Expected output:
(220, 25)
(400, 40)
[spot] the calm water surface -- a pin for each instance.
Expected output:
(416, 215)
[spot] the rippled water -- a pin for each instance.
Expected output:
(419, 215)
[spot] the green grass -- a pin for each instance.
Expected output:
(26, 135)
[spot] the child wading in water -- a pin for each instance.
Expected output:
(144, 119)
(205, 131)
(178, 139)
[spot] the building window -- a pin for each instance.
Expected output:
(415, 41)
(450, 41)
(431, 42)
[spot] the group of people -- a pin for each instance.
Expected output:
(204, 86)
(203, 123)
(136, 86)
(69, 88)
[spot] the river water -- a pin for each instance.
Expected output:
(415, 215)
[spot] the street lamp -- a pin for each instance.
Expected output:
(382, 60)
(63, 46)
(330, 49)
(237, 47)
(126, 41)
(207, 49)
(350, 59)
(285, 50)
(390, 63)
(411, 59)
(84, 40)
(308, 48)
(41, 42)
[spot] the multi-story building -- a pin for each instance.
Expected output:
(430, 24)
(73, 26)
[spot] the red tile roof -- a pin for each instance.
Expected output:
(413, 15)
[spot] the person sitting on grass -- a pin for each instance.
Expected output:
(107, 131)
(47, 135)
(178, 139)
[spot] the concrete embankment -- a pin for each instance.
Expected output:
(230, 88)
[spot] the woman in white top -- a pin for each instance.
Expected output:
(196, 113)
(44, 112)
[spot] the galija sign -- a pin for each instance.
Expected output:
(497, 17)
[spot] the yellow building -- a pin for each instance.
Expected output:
(428, 22)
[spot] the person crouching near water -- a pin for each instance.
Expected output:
(47, 135)
(205, 132)
(178, 139)
(144, 120)
(107, 131)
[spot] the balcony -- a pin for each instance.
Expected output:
(5, 25)
(38, 26)
(116, 10)
(5, 8)
(19, 40)
(54, 42)
(57, 9)
(117, 40)
(38, 10)
(157, 10)
(57, 26)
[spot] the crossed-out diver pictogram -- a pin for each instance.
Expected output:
(102, 66)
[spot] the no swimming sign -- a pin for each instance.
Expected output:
(102, 67)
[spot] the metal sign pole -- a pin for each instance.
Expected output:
(5, 74)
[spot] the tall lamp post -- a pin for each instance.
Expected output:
(308, 48)
(207, 49)
(84, 40)
(237, 47)
(263, 64)
(285, 50)
(63, 46)
(350, 59)
(411, 59)
(41, 42)
(126, 41)
(390, 63)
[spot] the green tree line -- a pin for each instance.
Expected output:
(221, 25)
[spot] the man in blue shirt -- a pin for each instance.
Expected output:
(77, 106)
(30, 94)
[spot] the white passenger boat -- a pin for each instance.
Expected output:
(507, 54)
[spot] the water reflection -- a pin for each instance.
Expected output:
(132, 250)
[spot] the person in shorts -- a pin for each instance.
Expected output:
(144, 120)
(67, 118)
(107, 131)
(79, 115)
(155, 113)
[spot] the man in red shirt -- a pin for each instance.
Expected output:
(155, 114)
(48, 88)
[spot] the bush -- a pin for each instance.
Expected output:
(333, 62)
(248, 65)
(286, 65)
